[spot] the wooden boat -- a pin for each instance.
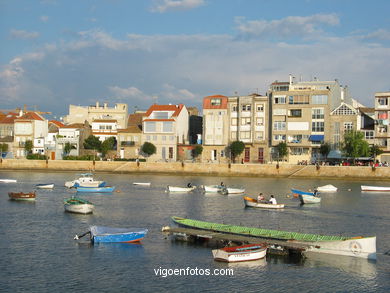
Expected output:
(240, 253)
(85, 180)
(309, 199)
(180, 189)
(104, 189)
(212, 188)
(100, 234)
(251, 202)
(142, 183)
(326, 188)
(364, 247)
(78, 206)
(45, 186)
(22, 195)
(375, 188)
(8, 180)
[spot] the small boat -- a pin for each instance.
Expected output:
(104, 189)
(8, 180)
(85, 180)
(251, 202)
(375, 188)
(212, 188)
(240, 253)
(100, 234)
(297, 191)
(142, 183)
(180, 189)
(326, 188)
(304, 198)
(232, 190)
(22, 195)
(45, 186)
(78, 206)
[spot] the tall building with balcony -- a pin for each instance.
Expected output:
(382, 132)
(300, 116)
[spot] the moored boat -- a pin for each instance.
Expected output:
(22, 195)
(375, 188)
(142, 183)
(85, 180)
(309, 199)
(251, 202)
(45, 186)
(232, 190)
(8, 180)
(212, 188)
(326, 188)
(297, 191)
(240, 253)
(101, 234)
(364, 247)
(104, 189)
(180, 189)
(78, 206)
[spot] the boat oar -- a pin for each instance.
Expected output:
(77, 237)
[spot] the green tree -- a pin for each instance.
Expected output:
(108, 144)
(375, 150)
(236, 149)
(3, 147)
(148, 149)
(282, 150)
(28, 146)
(354, 145)
(92, 143)
(197, 151)
(68, 147)
(325, 150)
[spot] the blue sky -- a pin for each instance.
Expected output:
(56, 52)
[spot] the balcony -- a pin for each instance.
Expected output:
(127, 143)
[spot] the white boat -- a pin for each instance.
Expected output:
(85, 180)
(309, 199)
(8, 180)
(375, 188)
(251, 202)
(232, 190)
(142, 183)
(45, 186)
(212, 188)
(240, 253)
(180, 189)
(78, 206)
(326, 188)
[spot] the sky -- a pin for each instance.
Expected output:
(59, 52)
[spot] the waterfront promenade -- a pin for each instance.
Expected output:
(256, 170)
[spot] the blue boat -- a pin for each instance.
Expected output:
(300, 192)
(105, 189)
(100, 234)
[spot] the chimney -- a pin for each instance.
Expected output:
(97, 104)
(105, 105)
(291, 79)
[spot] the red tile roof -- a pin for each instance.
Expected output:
(176, 108)
(57, 123)
(9, 118)
(105, 120)
(74, 125)
(32, 116)
(131, 129)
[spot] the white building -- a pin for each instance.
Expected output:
(104, 128)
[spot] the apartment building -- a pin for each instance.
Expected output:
(75, 134)
(165, 126)
(382, 133)
(301, 116)
(129, 142)
(78, 114)
(104, 128)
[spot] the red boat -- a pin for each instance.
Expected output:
(22, 195)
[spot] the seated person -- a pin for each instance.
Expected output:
(272, 200)
(260, 198)
(189, 185)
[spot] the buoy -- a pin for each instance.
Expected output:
(288, 196)
(118, 191)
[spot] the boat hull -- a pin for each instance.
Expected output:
(142, 183)
(79, 208)
(375, 188)
(308, 199)
(239, 256)
(231, 190)
(21, 196)
(105, 189)
(45, 186)
(297, 191)
(111, 235)
(212, 188)
(250, 202)
(326, 188)
(8, 180)
(180, 189)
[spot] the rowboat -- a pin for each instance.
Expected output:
(326, 188)
(212, 188)
(232, 190)
(364, 247)
(45, 186)
(104, 189)
(85, 180)
(8, 180)
(375, 188)
(180, 189)
(100, 234)
(240, 253)
(309, 198)
(22, 195)
(251, 202)
(142, 183)
(78, 206)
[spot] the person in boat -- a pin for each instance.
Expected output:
(272, 200)
(315, 192)
(189, 185)
(222, 184)
(260, 198)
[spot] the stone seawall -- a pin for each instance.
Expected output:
(258, 170)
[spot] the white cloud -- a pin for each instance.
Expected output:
(44, 18)
(130, 92)
(174, 5)
(290, 26)
(380, 34)
(171, 93)
(22, 34)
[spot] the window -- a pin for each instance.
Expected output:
(259, 135)
(317, 126)
(344, 110)
(233, 135)
(296, 138)
(245, 121)
(298, 99)
(246, 107)
(319, 99)
(171, 137)
(295, 113)
(259, 121)
(382, 101)
(260, 108)
(369, 134)
(348, 126)
(279, 125)
(234, 121)
(382, 115)
(160, 115)
(279, 137)
(171, 152)
(299, 151)
(245, 134)
(102, 127)
(148, 138)
(150, 126)
(215, 102)
(167, 126)
(155, 137)
(280, 99)
(317, 113)
(234, 108)
(164, 138)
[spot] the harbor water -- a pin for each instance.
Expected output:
(38, 252)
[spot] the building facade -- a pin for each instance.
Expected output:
(382, 133)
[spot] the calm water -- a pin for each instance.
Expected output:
(38, 253)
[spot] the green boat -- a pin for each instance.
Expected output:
(78, 205)
(352, 246)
